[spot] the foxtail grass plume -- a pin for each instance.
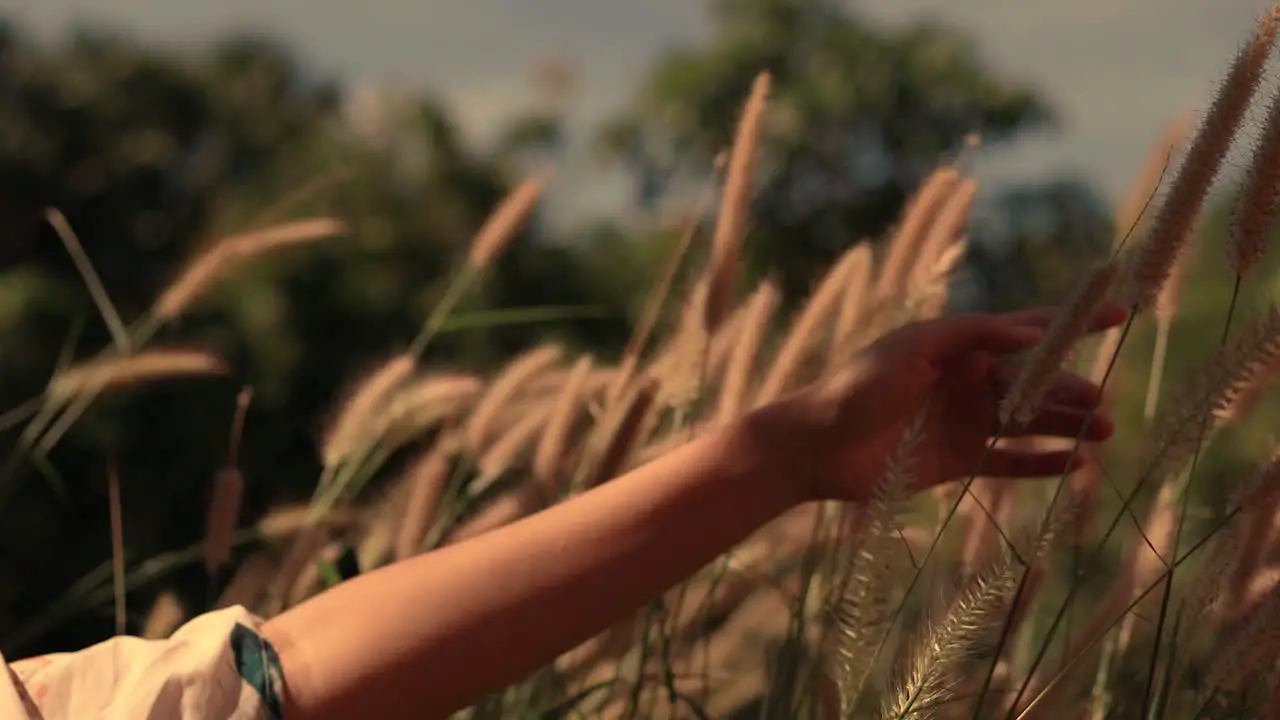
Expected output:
(859, 611)
(427, 478)
(423, 404)
(166, 615)
(506, 220)
(232, 252)
(1146, 184)
(505, 451)
(946, 229)
(1251, 647)
(806, 331)
(738, 375)
(350, 429)
(854, 304)
(622, 432)
(554, 443)
(735, 205)
(1256, 207)
(1066, 329)
(1150, 264)
(904, 247)
(284, 522)
(929, 297)
(503, 388)
(142, 367)
(222, 518)
(949, 646)
(1129, 216)
(1211, 394)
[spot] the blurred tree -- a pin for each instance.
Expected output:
(857, 116)
(151, 156)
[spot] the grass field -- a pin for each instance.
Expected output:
(980, 599)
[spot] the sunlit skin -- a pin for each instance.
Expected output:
(427, 636)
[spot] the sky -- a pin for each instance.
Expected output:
(1118, 71)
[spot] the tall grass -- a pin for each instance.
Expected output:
(1025, 608)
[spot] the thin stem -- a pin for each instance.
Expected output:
(1045, 521)
(457, 288)
(91, 280)
(1182, 515)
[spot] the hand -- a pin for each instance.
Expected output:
(955, 370)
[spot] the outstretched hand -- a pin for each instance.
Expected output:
(956, 370)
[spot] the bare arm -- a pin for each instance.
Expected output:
(432, 634)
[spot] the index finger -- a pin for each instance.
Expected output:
(1107, 315)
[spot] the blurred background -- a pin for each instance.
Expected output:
(157, 127)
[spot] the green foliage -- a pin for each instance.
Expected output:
(857, 117)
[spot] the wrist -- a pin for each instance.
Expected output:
(779, 448)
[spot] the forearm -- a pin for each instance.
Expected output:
(433, 633)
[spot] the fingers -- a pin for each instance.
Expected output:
(1003, 334)
(1014, 464)
(1066, 422)
(1067, 388)
(1106, 316)
(946, 337)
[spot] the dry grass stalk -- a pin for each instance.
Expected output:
(737, 379)
(426, 403)
(1151, 262)
(350, 430)
(92, 376)
(1257, 500)
(308, 581)
(502, 511)
(682, 366)
(250, 582)
(309, 542)
(980, 537)
(1150, 559)
(117, 547)
(946, 229)
(622, 431)
(554, 443)
(166, 615)
(428, 479)
(929, 297)
(1165, 310)
(503, 389)
(505, 221)
(859, 610)
(233, 251)
(947, 649)
(1046, 359)
(657, 299)
(1257, 204)
(507, 450)
(1212, 393)
(854, 304)
(1144, 187)
(119, 335)
(731, 225)
(222, 518)
(287, 521)
(1254, 645)
(904, 247)
(1147, 182)
(805, 332)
